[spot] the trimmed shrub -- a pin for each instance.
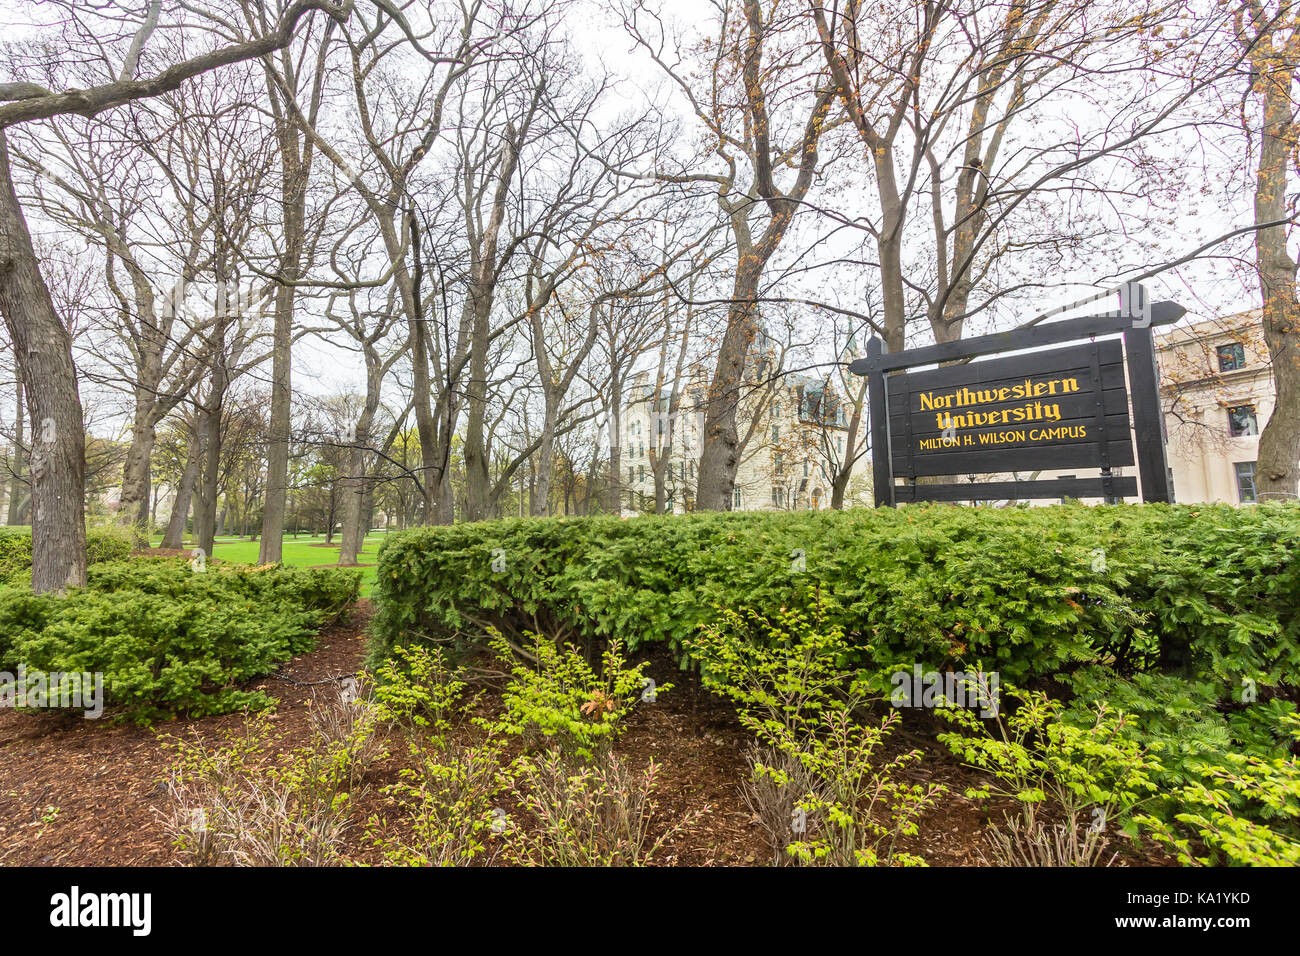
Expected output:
(15, 552)
(1210, 591)
(170, 640)
(102, 544)
(111, 543)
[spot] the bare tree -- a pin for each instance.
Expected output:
(49, 375)
(765, 110)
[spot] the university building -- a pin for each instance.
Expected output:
(1216, 386)
(793, 431)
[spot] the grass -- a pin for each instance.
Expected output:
(299, 552)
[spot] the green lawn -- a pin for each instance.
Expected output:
(301, 552)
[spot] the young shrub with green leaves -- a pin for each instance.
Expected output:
(1242, 811)
(794, 691)
(418, 686)
(111, 543)
(559, 700)
(1200, 736)
(454, 796)
(1094, 775)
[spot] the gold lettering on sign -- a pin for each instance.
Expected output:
(1029, 391)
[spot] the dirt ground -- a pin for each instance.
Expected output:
(85, 792)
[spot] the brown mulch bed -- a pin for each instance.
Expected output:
(91, 792)
(88, 792)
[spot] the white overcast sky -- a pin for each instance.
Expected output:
(1203, 289)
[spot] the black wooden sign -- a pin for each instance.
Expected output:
(1044, 410)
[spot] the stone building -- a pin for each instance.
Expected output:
(792, 428)
(1217, 390)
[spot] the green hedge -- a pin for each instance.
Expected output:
(102, 544)
(1210, 591)
(169, 639)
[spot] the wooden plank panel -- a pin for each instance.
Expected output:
(883, 479)
(1058, 363)
(1149, 419)
(1124, 487)
(1047, 333)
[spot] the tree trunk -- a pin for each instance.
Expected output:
(175, 536)
(353, 488)
(1279, 442)
(541, 503)
(270, 550)
(720, 455)
(367, 513)
(615, 493)
(17, 487)
(295, 171)
(44, 349)
(478, 479)
(133, 506)
(205, 505)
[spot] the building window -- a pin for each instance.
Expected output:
(642, 474)
(631, 476)
(1231, 357)
(631, 451)
(777, 466)
(1245, 481)
(805, 469)
(776, 434)
(1241, 421)
(776, 497)
(735, 499)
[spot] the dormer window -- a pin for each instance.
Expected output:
(1231, 357)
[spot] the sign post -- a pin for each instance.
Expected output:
(1043, 410)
